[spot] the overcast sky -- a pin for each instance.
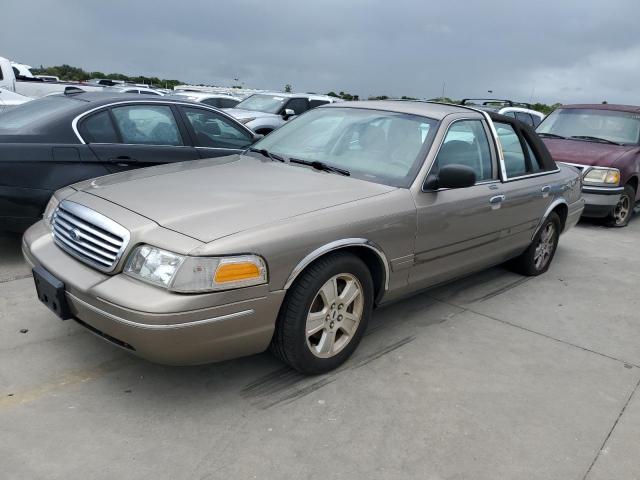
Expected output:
(558, 50)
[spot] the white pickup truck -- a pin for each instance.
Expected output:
(9, 100)
(21, 81)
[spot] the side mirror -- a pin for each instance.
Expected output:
(451, 176)
(288, 113)
(256, 137)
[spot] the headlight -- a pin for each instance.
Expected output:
(48, 212)
(605, 176)
(244, 121)
(185, 274)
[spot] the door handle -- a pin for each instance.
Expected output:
(545, 190)
(496, 202)
(123, 159)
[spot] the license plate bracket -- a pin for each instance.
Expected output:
(51, 292)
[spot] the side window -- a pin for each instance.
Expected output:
(466, 143)
(536, 120)
(525, 118)
(228, 103)
(98, 128)
(149, 92)
(215, 131)
(298, 105)
(317, 103)
(535, 161)
(214, 102)
(514, 158)
(147, 125)
(510, 114)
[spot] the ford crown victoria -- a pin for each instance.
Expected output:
(292, 243)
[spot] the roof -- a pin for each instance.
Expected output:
(185, 93)
(436, 111)
(605, 106)
(98, 99)
(299, 95)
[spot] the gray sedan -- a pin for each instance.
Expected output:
(291, 244)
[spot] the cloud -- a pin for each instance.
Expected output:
(546, 50)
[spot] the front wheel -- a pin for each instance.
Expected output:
(537, 258)
(324, 314)
(623, 211)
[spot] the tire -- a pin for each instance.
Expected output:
(264, 131)
(538, 256)
(314, 344)
(623, 211)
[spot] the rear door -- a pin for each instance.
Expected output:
(215, 134)
(527, 187)
(137, 135)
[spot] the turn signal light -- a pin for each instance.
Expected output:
(233, 272)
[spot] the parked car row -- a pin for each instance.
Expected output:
(520, 111)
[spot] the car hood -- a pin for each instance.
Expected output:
(214, 198)
(585, 153)
(240, 113)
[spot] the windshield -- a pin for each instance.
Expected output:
(378, 146)
(36, 110)
(263, 103)
(619, 127)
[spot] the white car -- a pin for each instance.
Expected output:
(517, 110)
(10, 99)
(134, 89)
(218, 100)
(264, 112)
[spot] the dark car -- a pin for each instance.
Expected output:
(603, 142)
(58, 140)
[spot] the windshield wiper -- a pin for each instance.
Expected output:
(595, 139)
(266, 153)
(551, 135)
(321, 166)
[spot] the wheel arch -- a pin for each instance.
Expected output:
(371, 254)
(558, 206)
(633, 181)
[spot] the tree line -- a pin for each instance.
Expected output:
(77, 74)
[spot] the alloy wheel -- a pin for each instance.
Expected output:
(545, 246)
(622, 210)
(334, 315)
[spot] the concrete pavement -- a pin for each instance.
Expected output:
(493, 377)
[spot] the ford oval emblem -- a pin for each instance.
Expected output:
(75, 235)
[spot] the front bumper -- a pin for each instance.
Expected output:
(600, 201)
(156, 324)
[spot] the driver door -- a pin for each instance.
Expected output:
(458, 229)
(215, 135)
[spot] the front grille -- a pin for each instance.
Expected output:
(89, 236)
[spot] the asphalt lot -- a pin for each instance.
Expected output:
(494, 377)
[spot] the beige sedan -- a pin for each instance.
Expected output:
(291, 244)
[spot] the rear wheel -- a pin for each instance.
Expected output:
(324, 314)
(623, 211)
(537, 258)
